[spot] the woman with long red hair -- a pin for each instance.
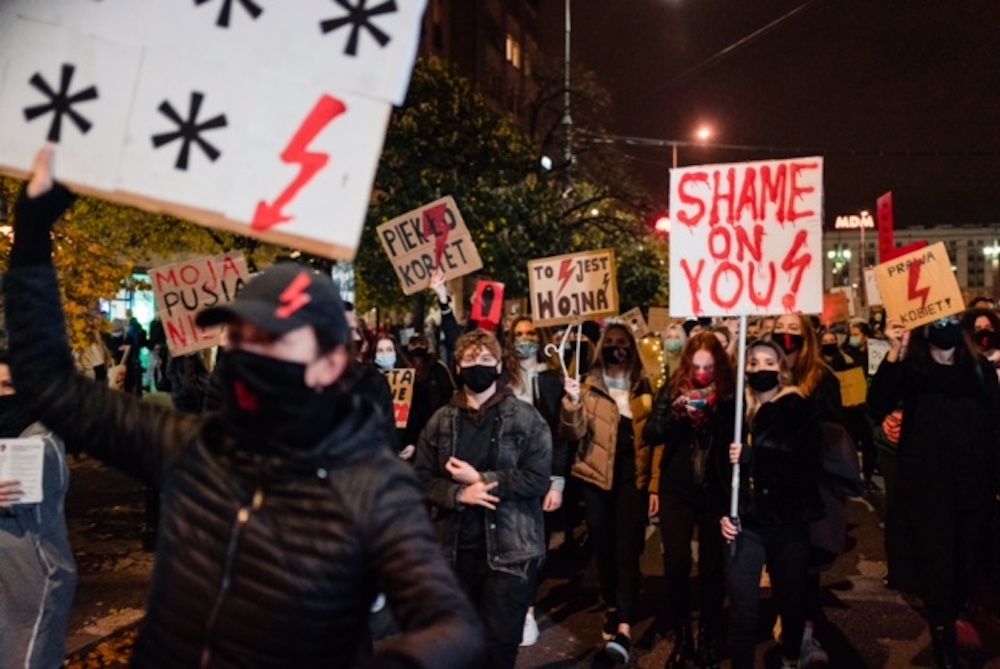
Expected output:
(691, 428)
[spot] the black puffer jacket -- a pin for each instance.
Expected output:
(260, 562)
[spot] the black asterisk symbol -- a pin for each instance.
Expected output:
(253, 9)
(189, 130)
(358, 17)
(60, 104)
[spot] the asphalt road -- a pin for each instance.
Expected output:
(866, 625)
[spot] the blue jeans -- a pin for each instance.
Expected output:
(785, 551)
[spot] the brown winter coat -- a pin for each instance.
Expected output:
(594, 422)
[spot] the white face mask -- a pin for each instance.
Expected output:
(386, 360)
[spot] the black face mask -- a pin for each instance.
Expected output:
(615, 355)
(828, 350)
(987, 339)
(14, 417)
(789, 343)
(478, 378)
(763, 381)
(945, 338)
(267, 400)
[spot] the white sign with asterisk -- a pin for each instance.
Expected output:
(263, 117)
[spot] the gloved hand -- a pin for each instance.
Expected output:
(39, 205)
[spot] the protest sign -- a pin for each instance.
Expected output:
(747, 238)
(659, 319)
(401, 385)
(426, 238)
(852, 300)
(835, 309)
(264, 119)
(185, 288)
(487, 305)
(633, 318)
(919, 287)
(877, 350)
(872, 295)
(23, 460)
(573, 288)
(853, 387)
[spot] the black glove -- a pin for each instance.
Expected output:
(33, 221)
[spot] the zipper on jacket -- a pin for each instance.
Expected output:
(242, 517)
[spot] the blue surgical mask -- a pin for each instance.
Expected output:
(673, 346)
(855, 342)
(386, 360)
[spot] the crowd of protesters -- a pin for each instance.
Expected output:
(287, 455)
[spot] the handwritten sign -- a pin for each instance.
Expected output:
(659, 319)
(877, 350)
(573, 287)
(401, 385)
(426, 238)
(185, 288)
(261, 118)
(871, 288)
(919, 287)
(747, 238)
(633, 318)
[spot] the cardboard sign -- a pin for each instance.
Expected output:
(871, 288)
(633, 318)
(659, 319)
(877, 350)
(401, 385)
(487, 305)
(848, 292)
(423, 239)
(185, 288)
(919, 287)
(573, 288)
(835, 309)
(260, 118)
(747, 238)
(853, 387)
(892, 254)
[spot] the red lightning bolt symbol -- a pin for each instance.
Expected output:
(915, 292)
(435, 226)
(565, 273)
(297, 153)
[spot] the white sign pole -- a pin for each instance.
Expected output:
(741, 364)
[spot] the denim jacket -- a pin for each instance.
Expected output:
(520, 460)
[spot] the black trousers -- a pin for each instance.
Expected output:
(678, 522)
(785, 551)
(616, 525)
(502, 601)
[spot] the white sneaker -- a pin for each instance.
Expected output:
(812, 654)
(530, 634)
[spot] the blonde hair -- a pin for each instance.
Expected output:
(785, 378)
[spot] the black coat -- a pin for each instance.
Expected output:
(261, 561)
(946, 465)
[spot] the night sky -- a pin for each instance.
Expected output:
(901, 96)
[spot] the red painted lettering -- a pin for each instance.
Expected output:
(794, 261)
(719, 195)
(773, 190)
(693, 284)
(798, 192)
(723, 234)
(748, 196)
(743, 243)
(725, 268)
(755, 297)
(683, 217)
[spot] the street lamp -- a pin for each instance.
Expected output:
(703, 134)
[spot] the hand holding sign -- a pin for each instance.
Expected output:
(42, 174)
